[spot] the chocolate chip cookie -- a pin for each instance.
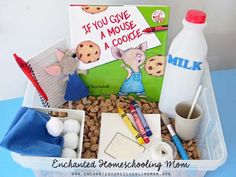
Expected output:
(94, 9)
(88, 52)
(155, 66)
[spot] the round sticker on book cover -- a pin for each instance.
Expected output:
(158, 16)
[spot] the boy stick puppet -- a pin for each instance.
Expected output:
(67, 64)
(133, 59)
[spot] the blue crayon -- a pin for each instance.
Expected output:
(142, 118)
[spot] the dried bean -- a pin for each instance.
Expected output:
(190, 143)
(190, 154)
(191, 148)
(177, 157)
(122, 98)
(110, 108)
(198, 153)
(94, 109)
(86, 140)
(87, 144)
(90, 135)
(100, 98)
(94, 147)
(163, 128)
(119, 104)
(149, 111)
(87, 154)
(95, 102)
(93, 128)
(62, 114)
(113, 97)
(145, 106)
(94, 140)
(96, 132)
(55, 114)
(92, 98)
(131, 98)
(195, 154)
(143, 101)
(185, 146)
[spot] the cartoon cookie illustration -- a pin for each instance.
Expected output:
(94, 9)
(88, 52)
(155, 65)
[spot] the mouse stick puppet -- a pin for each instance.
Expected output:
(75, 88)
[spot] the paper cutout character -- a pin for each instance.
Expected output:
(67, 64)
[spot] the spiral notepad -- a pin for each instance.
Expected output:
(50, 84)
(44, 102)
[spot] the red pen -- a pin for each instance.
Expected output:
(25, 68)
(139, 124)
(156, 28)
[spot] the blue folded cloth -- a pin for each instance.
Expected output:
(28, 135)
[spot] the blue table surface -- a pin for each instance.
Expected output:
(224, 83)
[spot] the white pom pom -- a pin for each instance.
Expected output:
(54, 126)
(71, 125)
(71, 140)
(68, 153)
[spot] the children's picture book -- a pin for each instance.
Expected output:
(121, 48)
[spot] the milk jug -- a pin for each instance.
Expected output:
(184, 63)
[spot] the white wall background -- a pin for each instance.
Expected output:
(29, 26)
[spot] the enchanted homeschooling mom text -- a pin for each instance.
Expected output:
(118, 165)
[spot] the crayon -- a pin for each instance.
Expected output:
(139, 124)
(130, 125)
(142, 118)
(175, 138)
(156, 28)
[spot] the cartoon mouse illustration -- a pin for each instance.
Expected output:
(67, 64)
(133, 59)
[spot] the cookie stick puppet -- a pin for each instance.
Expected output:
(75, 88)
(133, 59)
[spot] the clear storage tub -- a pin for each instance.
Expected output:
(210, 141)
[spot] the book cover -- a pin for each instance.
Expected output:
(119, 58)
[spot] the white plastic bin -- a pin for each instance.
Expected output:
(210, 141)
